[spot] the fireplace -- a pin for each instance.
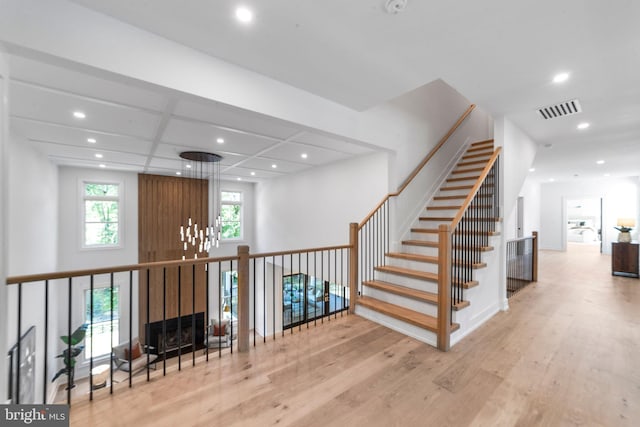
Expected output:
(176, 340)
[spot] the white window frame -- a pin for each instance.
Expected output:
(83, 198)
(233, 203)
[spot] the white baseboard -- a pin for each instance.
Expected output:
(476, 321)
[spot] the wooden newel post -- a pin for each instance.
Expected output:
(534, 261)
(444, 287)
(353, 266)
(243, 299)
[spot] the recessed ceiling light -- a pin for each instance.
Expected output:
(220, 141)
(103, 165)
(244, 14)
(600, 162)
(551, 179)
(239, 179)
(79, 115)
(188, 166)
(253, 174)
(561, 77)
(178, 173)
(583, 125)
(91, 140)
(532, 169)
(274, 166)
(99, 156)
(304, 155)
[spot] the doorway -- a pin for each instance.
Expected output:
(584, 222)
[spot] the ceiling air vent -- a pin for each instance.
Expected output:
(561, 109)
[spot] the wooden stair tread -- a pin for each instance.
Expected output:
(407, 272)
(420, 320)
(457, 187)
(413, 257)
(423, 243)
(428, 297)
(462, 196)
(463, 178)
(482, 143)
(443, 208)
(436, 218)
(471, 162)
(478, 155)
(469, 170)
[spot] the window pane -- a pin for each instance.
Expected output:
(104, 190)
(230, 196)
(100, 211)
(101, 233)
(101, 330)
(230, 215)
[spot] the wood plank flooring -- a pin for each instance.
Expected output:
(566, 353)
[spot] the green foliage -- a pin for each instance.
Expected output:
(69, 357)
(230, 215)
(102, 307)
(101, 190)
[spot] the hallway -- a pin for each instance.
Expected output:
(567, 353)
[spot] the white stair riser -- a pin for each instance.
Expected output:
(410, 303)
(409, 282)
(398, 325)
(420, 250)
(427, 237)
(413, 265)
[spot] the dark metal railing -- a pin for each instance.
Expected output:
(296, 288)
(470, 237)
(373, 242)
(522, 263)
(229, 283)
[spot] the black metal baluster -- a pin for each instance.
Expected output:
(19, 349)
(91, 337)
(273, 294)
(130, 317)
(206, 310)
(193, 314)
(164, 321)
(179, 318)
(46, 341)
(111, 301)
(70, 373)
(147, 331)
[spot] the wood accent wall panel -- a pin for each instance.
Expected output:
(165, 203)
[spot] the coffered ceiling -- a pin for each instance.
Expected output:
(500, 54)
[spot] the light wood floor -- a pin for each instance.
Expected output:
(567, 353)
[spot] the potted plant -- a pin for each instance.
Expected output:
(69, 354)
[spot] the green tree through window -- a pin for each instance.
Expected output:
(101, 214)
(231, 214)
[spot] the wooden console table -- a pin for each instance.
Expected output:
(624, 259)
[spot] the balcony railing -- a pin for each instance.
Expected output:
(246, 292)
(522, 263)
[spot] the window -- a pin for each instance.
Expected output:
(231, 214)
(101, 210)
(101, 327)
(230, 292)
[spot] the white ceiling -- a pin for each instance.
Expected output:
(500, 54)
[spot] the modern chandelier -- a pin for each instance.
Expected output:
(197, 232)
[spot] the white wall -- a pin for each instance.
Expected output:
(619, 196)
(32, 237)
(4, 200)
(518, 153)
(314, 208)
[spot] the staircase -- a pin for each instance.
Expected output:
(403, 293)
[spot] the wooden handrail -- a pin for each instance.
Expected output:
(422, 164)
(475, 188)
(150, 265)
